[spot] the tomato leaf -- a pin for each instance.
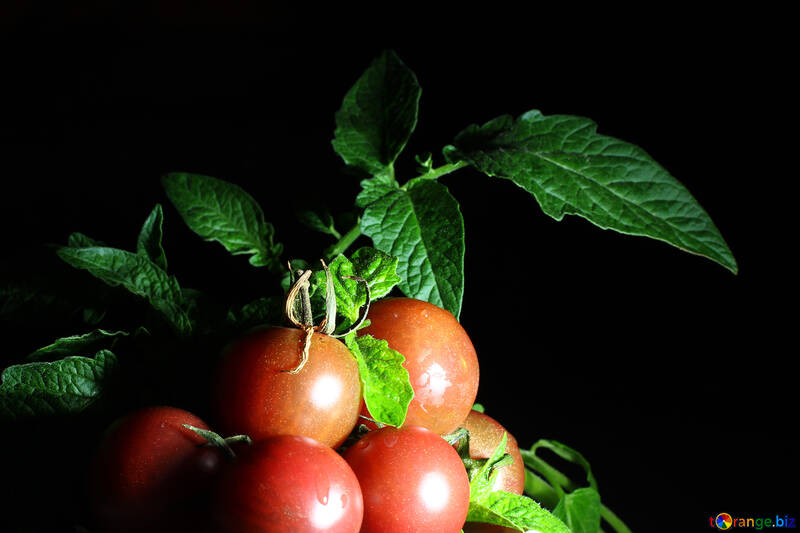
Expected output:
(268, 310)
(72, 345)
(320, 220)
(504, 508)
(377, 116)
(149, 242)
(387, 387)
(223, 212)
(378, 269)
(580, 510)
(571, 170)
(135, 273)
(422, 225)
(61, 387)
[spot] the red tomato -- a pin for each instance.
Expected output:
(148, 468)
(412, 480)
(289, 483)
(256, 397)
(485, 434)
(440, 360)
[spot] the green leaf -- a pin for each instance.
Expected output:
(478, 407)
(149, 242)
(320, 220)
(79, 240)
(422, 226)
(387, 388)
(377, 116)
(61, 387)
(378, 269)
(66, 346)
(223, 212)
(570, 169)
(135, 273)
(268, 310)
(503, 508)
(580, 510)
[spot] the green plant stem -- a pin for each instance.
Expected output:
(546, 493)
(344, 242)
(438, 172)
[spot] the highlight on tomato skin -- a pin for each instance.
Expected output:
(411, 479)
(256, 396)
(440, 359)
(288, 483)
(485, 434)
(150, 472)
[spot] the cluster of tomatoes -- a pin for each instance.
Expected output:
(292, 478)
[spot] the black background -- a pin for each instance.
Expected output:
(669, 373)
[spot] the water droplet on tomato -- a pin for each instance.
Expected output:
(323, 486)
(390, 440)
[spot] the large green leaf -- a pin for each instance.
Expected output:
(61, 387)
(223, 212)
(570, 169)
(75, 344)
(137, 274)
(422, 225)
(377, 116)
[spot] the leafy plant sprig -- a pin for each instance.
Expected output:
(418, 237)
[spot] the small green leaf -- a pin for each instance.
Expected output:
(149, 242)
(377, 116)
(79, 240)
(580, 510)
(61, 387)
(135, 273)
(66, 346)
(387, 388)
(503, 508)
(571, 170)
(478, 407)
(268, 310)
(223, 212)
(378, 269)
(422, 226)
(320, 220)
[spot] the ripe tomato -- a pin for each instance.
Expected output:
(440, 360)
(485, 434)
(412, 480)
(149, 468)
(288, 483)
(256, 397)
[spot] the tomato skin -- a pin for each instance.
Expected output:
(440, 359)
(485, 434)
(149, 469)
(288, 483)
(412, 480)
(256, 397)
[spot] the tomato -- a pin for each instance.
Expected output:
(440, 359)
(288, 483)
(412, 480)
(256, 397)
(485, 434)
(149, 468)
